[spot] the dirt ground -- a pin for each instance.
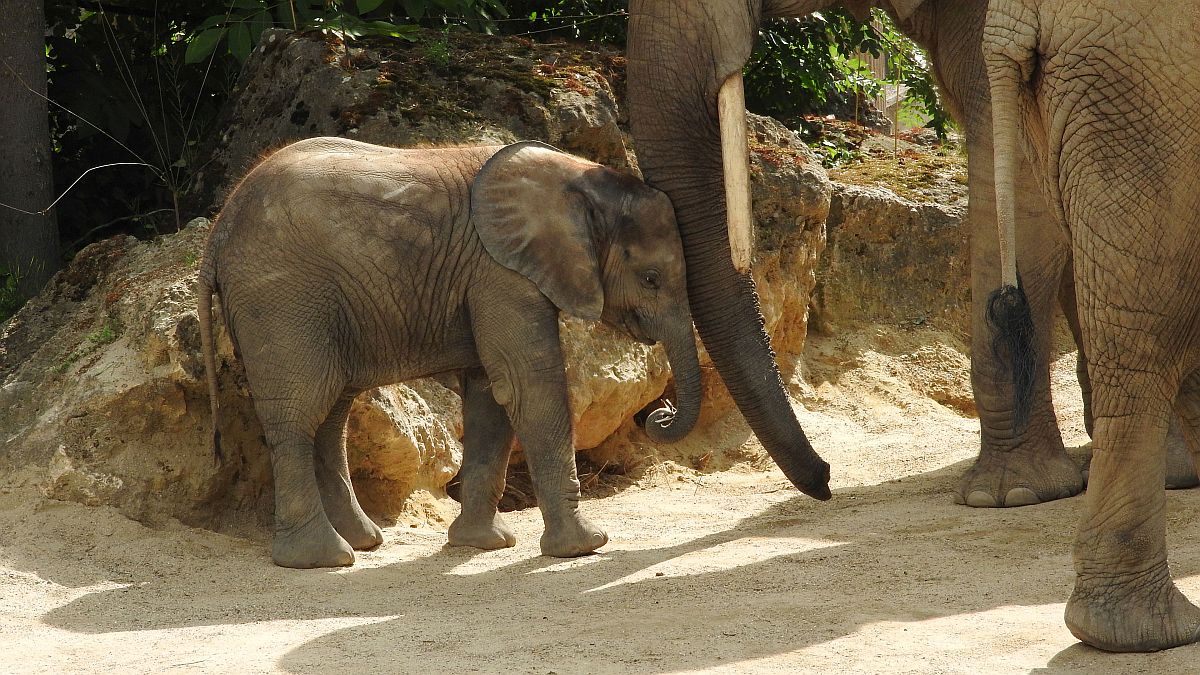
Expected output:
(725, 572)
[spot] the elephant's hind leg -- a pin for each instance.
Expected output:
(290, 404)
(1027, 466)
(1181, 471)
(304, 537)
(1183, 441)
(487, 441)
(333, 480)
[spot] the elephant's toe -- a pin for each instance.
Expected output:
(1144, 613)
(978, 499)
(1021, 496)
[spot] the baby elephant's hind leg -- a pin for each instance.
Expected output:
(333, 480)
(487, 441)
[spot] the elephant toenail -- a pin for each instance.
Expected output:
(980, 499)
(1021, 496)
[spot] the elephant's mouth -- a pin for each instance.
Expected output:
(633, 326)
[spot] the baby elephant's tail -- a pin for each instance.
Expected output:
(204, 293)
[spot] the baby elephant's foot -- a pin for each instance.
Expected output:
(313, 544)
(357, 529)
(481, 533)
(571, 537)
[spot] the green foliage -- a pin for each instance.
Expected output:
(106, 334)
(145, 80)
(437, 52)
(591, 20)
(10, 298)
(243, 21)
(808, 66)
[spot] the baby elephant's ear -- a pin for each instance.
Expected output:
(533, 213)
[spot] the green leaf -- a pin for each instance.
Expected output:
(249, 4)
(239, 41)
(202, 44)
(365, 6)
(211, 22)
(415, 9)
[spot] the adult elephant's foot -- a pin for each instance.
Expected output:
(355, 527)
(481, 532)
(1019, 477)
(571, 536)
(313, 544)
(1143, 613)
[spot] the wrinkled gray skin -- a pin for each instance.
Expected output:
(680, 51)
(1104, 97)
(343, 266)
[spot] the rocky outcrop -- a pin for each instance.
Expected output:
(891, 260)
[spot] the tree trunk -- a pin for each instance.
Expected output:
(29, 244)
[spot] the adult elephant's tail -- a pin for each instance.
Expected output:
(1009, 54)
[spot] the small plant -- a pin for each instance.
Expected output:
(437, 51)
(106, 334)
(10, 297)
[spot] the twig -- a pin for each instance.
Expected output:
(64, 192)
(110, 223)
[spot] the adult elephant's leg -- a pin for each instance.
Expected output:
(333, 480)
(1187, 409)
(487, 443)
(1181, 472)
(1124, 598)
(1015, 467)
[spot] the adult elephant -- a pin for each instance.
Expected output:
(1103, 96)
(686, 56)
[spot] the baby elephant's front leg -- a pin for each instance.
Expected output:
(524, 364)
(538, 409)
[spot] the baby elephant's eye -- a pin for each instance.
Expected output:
(650, 279)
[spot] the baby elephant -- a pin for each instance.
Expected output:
(343, 266)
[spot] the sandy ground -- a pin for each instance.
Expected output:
(726, 572)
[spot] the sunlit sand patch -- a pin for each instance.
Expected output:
(942, 644)
(724, 556)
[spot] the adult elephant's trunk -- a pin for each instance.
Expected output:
(670, 424)
(679, 56)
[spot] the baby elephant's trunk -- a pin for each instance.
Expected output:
(672, 423)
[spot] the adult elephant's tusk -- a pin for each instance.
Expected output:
(735, 152)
